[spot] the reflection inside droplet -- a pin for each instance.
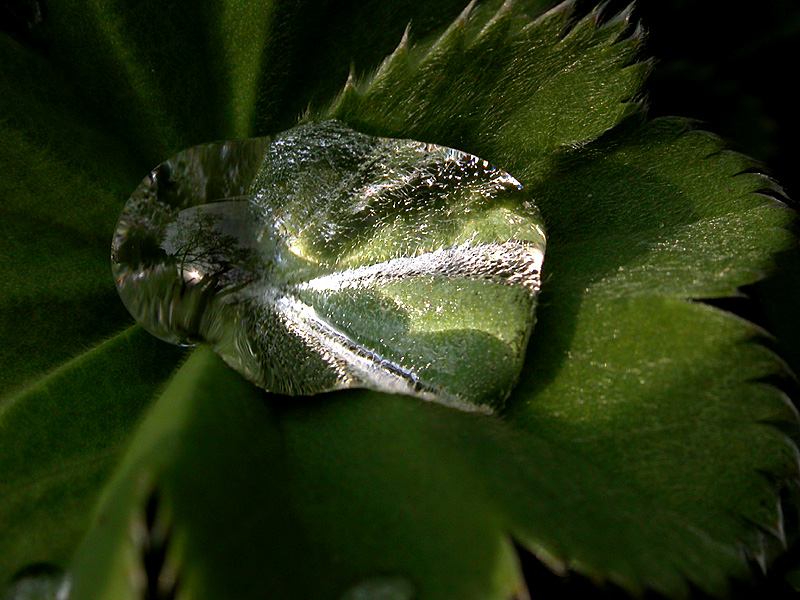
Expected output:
(323, 259)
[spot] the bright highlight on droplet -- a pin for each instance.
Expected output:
(323, 258)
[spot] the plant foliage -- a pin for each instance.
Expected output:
(642, 446)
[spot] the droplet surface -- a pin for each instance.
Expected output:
(323, 258)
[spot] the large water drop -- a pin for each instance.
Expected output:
(323, 258)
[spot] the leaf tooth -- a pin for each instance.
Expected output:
(614, 28)
(785, 422)
(639, 32)
(465, 14)
(400, 53)
(586, 25)
(350, 87)
(350, 94)
(351, 77)
(567, 7)
(621, 23)
(454, 31)
(769, 187)
(622, 18)
(783, 482)
(504, 17)
(347, 97)
(559, 15)
(405, 40)
(555, 564)
(758, 550)
(777, 529)
(787, 497)
(517, 550)
(500, 16)
(306, 115)
(597, 12)
(506, 7)
(521, 592)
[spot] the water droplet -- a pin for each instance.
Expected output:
(381, 588)
(323, 258)
(39, 581)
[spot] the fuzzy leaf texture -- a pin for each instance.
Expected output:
(642, 446)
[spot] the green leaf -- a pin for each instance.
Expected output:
(643, 445)
(209, 435)
(61, 177)
(60, 438)
(286, 482)
(498, 84)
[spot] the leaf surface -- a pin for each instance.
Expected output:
(641, 446)
(60, 438)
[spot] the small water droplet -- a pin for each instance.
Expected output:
(381, 588)
(323, 258)
(40, 581)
